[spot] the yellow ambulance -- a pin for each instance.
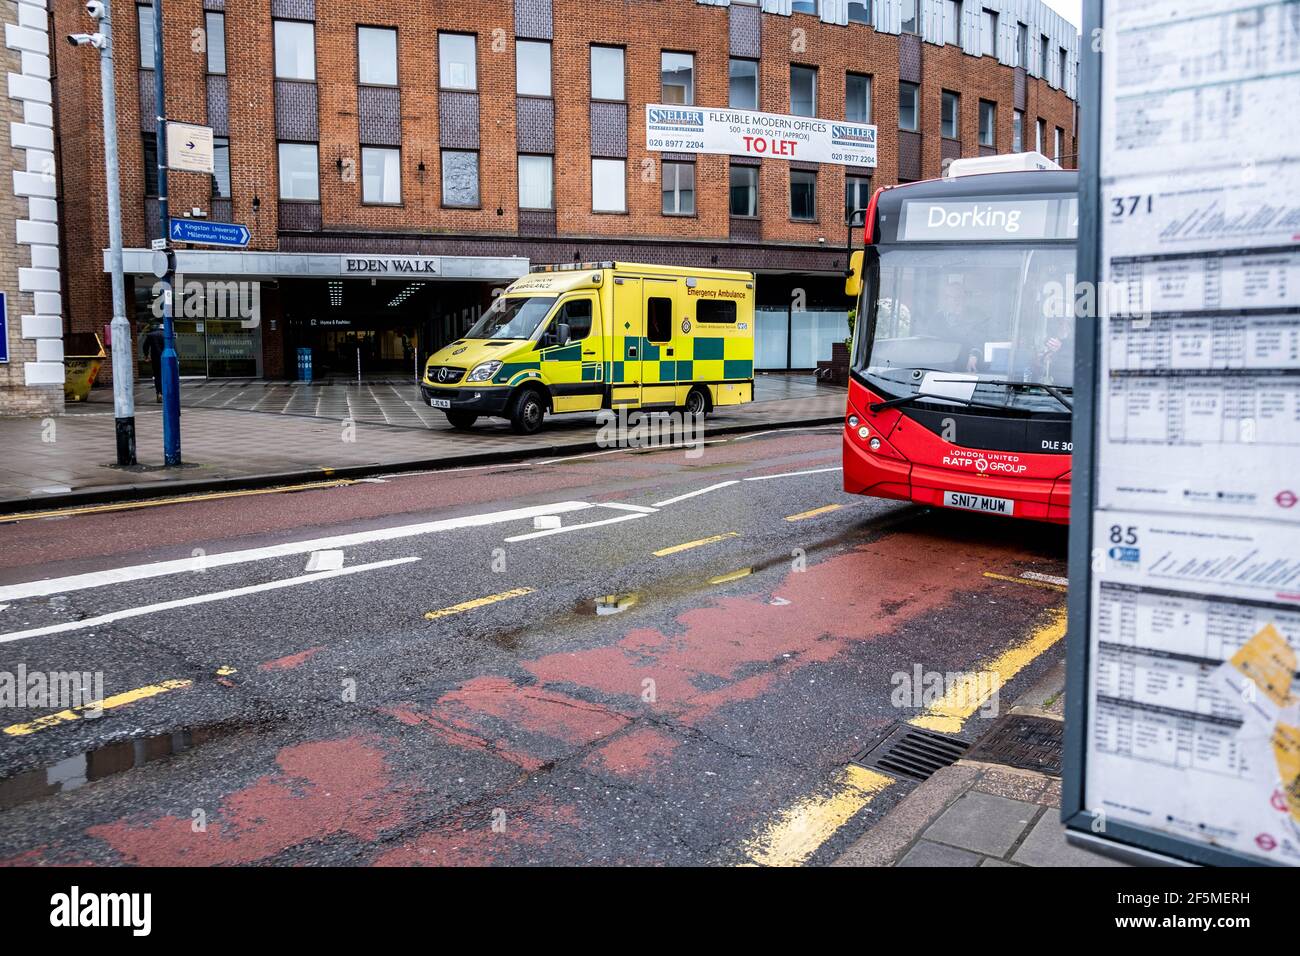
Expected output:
(592, 335)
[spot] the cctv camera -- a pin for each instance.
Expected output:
(95, 8)
(92, 39)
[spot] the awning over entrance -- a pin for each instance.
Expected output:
(312, 265)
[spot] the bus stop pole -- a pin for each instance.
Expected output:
(171, 377)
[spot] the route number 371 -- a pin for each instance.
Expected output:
(1122, 207)
(1120, 534)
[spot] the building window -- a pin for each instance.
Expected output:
(909, 16)
(381, 175)
(376, 56)
(677, 78)
(299, 172)
(607, 73)
(1040, 134)
(679, 189)
(214, 35)
(803, 90)
(857, 193)
(295, 50)
(220, 167)
(952, 22)
(949, 125)
(144, 33)
(460, 178)
(908, 106)
(1043, 65)
(859, 11)
(1057, 139)
(804, 6)
(532, 68)
(743, 85)
(1022, 45)
(744, 191)
(457, 61)
(150, 141)
(609, 185)
(857, 98)
(988, 33)
(536, 182)
(803, 195)
(1017, 131)
(988, 123)
(1062, 67)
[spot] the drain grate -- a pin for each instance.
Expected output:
(1023, 741)
(912, 752)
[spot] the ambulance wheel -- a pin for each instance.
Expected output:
(462, 419)
(697, 402)
(527, 412)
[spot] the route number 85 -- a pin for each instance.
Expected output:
(1123, 535)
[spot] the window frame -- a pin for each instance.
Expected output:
(608, 212)
(916, 106)
(870, 89)
(946, 97)
(811, 70)
(381, 149)
(208, 16)
(279, 170)
(550, 68)
(757, 84)
(866, 8)
(216, 151)
(859, 178)
(148, 137)
(473, 38)
(815, 11)
(989, 18)
(690, 97)
(146, 62)
(801, 173)
(915, 18)
(1017, 131)
(591, 72)
(754, 172)
(993, 123)
(677, 164)
(478, 179)
(952, 7)
(519, 168)
(397, 66)
(275, 49)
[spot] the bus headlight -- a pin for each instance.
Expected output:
(863, 432)
(875, 444)
(484, 372)
(853, 421)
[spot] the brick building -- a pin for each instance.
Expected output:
(396, 162)
(31, 330)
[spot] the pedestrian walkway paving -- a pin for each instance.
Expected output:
(979, 814)
(265, 431)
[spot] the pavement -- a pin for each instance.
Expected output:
(976, 813)
(623, 657)
(250, 432)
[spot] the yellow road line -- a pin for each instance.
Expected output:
(812, 514)
(732, 576)
(182, 500)
(968, 693)
(696, 544)
(75, 713)
(1029, 581)
(803, 827)
(477, 602)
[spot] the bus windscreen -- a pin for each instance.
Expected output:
(996, 315)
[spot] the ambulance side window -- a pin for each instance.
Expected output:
(576, 314)
(716, 311)
(659, 320)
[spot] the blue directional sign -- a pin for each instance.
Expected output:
(208, 233)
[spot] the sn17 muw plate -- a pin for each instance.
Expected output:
(969, 502)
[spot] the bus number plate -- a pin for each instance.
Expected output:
(960, 499)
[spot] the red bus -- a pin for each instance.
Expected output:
(960, 387)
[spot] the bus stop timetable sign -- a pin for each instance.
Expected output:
(1183, 709)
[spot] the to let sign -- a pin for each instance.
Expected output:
(189, 148)
(694, 129)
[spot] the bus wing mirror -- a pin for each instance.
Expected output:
(853, 281)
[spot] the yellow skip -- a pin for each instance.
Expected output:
(477, 602)
(968, 694)
(696, 544)
(181, 500)
(117, 700)
(797, 833)
(814, 513)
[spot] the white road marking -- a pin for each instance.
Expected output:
(791, 474)
(1049, 578)
(130, 612)
(324, 561)
(773, 431)
(573, 527)
(691, 494)
(95, 579)
(640, 509)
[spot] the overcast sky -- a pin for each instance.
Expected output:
(1072, 10)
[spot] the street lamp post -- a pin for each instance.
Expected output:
(171, 377)
(123, 351)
